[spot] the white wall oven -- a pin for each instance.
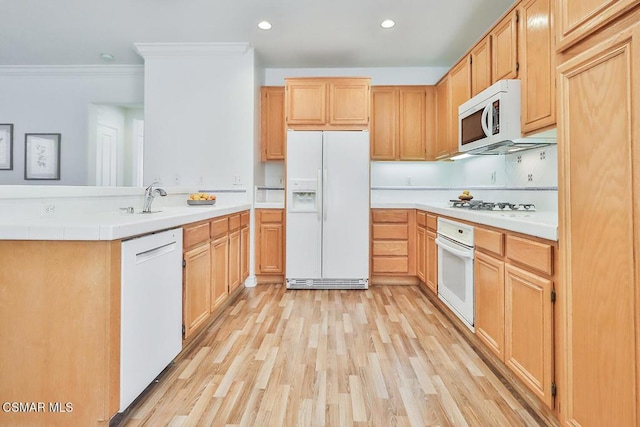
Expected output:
(455, 268)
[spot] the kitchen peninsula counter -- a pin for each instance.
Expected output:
(111, 225)
(543, 224)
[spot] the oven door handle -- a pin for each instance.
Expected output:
(445, 245)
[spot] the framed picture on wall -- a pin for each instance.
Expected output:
(6, 146)
(42, 156)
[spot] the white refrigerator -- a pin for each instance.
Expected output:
(327, 210)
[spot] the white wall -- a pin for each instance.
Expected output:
(199, 118)
(56, 100)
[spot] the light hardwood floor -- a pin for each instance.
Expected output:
(381, 357)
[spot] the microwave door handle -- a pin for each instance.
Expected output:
(485, 119)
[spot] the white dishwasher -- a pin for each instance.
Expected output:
(151, 309)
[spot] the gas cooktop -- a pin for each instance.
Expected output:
(491, 206)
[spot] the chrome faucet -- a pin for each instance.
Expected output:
(149, 194)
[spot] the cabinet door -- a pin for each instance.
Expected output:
(432, 262)
(443, 119)
(244, 253)
(537, 53)
(460, 81)
(271, 249)
(306, 102)
(197, 279)
(411, 121)
(421, 253)
(234, 260)
(578, 18)
(219, 270)
(349, 102)
(597, 144)
(272, 127)
(489, 302)
(384, 119)
(504, 48)
(528, 330)
(481, 66)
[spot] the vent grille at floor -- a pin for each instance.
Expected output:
(327, 283)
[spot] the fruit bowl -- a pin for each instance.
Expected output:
(200, 202)
(466, 198)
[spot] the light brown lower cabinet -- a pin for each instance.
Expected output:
(393, 242)
(234, 260)
(270, 240)
(421, 253)
(489, 302)
(196, 287)
(244, 253)
(219, 270)
(432, 255)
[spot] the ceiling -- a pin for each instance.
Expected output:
(305, 33)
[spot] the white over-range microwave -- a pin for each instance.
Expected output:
(489, 123)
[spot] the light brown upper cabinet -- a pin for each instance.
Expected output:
(537, 56)
(402, 123)
(443, 120)
(504, 48)
(327, 103)
(481, 66)
(577, 19)
(460, 88)
(272, 127)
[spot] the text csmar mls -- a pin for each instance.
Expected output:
(26, 407)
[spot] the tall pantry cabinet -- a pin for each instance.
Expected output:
(599, 182)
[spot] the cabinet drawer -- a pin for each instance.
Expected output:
(234, 222)
(271, 215)
(391, 247)
(536, 255)
(391, 265)
(244, 218)
(392, 215)
(195, 234)
(421, 218)
(492, 241)
(432, 222)
(390, 231)
(219, 226)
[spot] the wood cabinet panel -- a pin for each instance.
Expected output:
(244, 253)
(306, 102)
(219, 226)
(579, 18)
(504, 48)
(195, 234)
(390, 265)
(197, 285)
(219, 271)
(272, 123)
(489, 240)
(537, 57)
(234, 222)
(598, 171)
(443, 119)
(270, 241)
(489, 302)
(234, 260)
(481, 66)
(390, 247)
(432, 222)
(349, 101)
(432, 262)
(244, 218)
(528, 330)
(460, 88)
(412, 123)
(421, 218)
(390, 215)
(271, 215)
(421, 253)
(390, 231)
(384, 123)
(536, 255)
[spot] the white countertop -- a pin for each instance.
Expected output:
(543, 224)
(110, 225)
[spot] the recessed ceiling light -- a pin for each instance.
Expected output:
(388, 23)
(107, 57)
(264, 25)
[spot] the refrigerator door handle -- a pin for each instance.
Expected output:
(318, 195)
(324, 188)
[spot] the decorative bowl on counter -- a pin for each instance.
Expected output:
(201, 202)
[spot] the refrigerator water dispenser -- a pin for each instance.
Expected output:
(303, 195)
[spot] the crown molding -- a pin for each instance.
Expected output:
(71, 70)
(148, 50)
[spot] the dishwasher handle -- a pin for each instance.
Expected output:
(451, 247)
(150, 254)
